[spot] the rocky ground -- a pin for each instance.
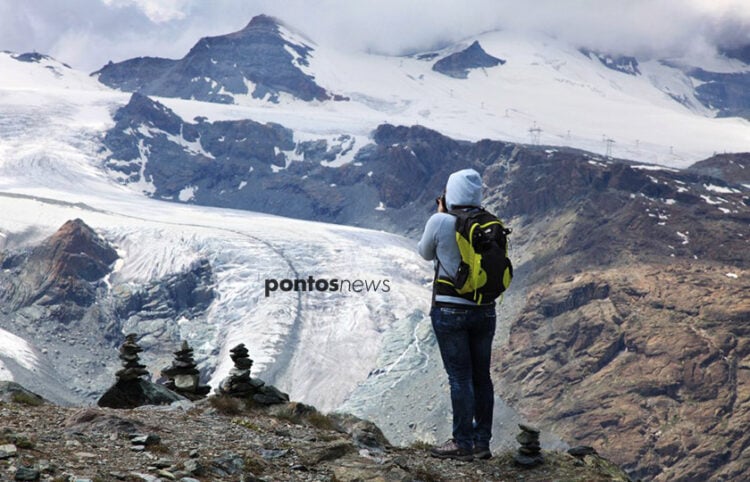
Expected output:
(222, 439)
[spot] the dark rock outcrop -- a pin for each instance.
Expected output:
(65, 269)
(729, 93)
(741, 52)
(257, 60)
(730, 168)
(162, 302)
(460, 63)
(13, 392)
(136, 393)
(246, 165)
(621, 63)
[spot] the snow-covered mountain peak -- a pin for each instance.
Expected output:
(27, 71)
(263, 61)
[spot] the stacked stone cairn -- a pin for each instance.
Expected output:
(132, 390)
(132, 368)
(183, 376)
(240, 384)
(530, 452)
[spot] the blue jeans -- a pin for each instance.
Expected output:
(464, 336)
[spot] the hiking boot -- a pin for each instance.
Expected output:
(482, 453)
(451, 450)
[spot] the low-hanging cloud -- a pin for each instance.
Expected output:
(88, 33)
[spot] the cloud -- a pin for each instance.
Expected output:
(88, 33)
(157, 11)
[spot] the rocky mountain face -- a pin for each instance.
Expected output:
(61, 271)
(632, 335)
(459, 64)
(726, 92)
(734, 168)
(259, 61)
(621, 63)
(260, 167)
(57, 296)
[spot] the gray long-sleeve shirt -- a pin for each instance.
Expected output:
(438, 244)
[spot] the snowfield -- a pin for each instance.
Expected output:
(16, 348)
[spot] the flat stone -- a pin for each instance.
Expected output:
(85, 455)
(582, 450)
(227, 464)
(166, 474)
(270, 454)
(7, 451)
(353, 468)
(329, 451)
(149, 439)
(145, 477)
(163, 463)
(26, 473)
(244, 363)
(193, 467)
(527, 438)
(527, 461)
(529, 450)
(186, 382)
(528, 428)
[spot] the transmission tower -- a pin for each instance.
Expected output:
(535, 133)
(609, 142)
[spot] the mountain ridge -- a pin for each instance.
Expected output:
(263, 64)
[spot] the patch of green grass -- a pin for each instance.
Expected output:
(426, 475)
(226, 405)
(254, 465)
(320, 420)
(158, 449)
(301, 414)
(24, 443)
(244, 422)
(420, 445)
(23, 398)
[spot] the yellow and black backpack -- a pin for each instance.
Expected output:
(485, 271)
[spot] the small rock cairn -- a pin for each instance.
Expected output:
(132, 369)
(184, 377)
(132, 389)
(530, 452)
(240, 384)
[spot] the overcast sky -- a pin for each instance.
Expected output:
(88, 33)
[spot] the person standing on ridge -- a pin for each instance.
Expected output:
(464, 323)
